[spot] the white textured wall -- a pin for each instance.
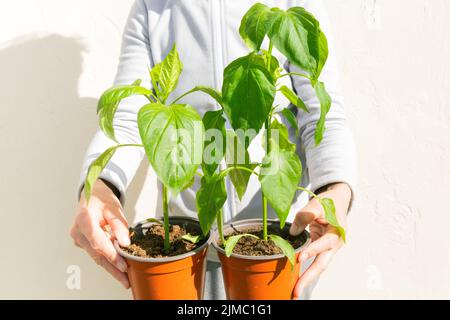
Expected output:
(56, 57)
(396, 72)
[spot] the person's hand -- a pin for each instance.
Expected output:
(326, 239)
(91, 226)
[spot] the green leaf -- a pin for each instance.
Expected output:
(297, 34)
(233, 241)
(109, 102)
(291, 118)
(215, 147)
(173, 140)
(192, 239)
(285, 246)
(137, 82)
(317, 41)
(238, 156)
(280, 136)
(330, 215)
(280, 174)
(95, 169)
(154, 77)
(154, 220)
(293, 98)
(248, 92)
(210, 199)
(325, 106)
(290, 37)
(240, 179)
(254, 25)
(275, 69)
(166, 74)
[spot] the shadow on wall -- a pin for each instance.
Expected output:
(45, 124)
(45, 128)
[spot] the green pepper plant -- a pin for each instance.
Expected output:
(247, 97)
(171, 133)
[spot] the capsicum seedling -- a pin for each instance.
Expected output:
(171, 133)
(247, 97)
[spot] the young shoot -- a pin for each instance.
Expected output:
(247, 97)
(171, 133)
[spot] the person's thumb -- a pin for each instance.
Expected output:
(303, 218)
(119, 228)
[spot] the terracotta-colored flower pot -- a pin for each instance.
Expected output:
(258, 278)
(174, 278)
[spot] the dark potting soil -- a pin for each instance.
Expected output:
(249, 246)
(149, 242)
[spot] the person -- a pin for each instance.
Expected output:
(207, 38)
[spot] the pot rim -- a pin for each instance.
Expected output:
(165, 259)
(215, 237)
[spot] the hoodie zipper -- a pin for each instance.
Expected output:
(218, 56)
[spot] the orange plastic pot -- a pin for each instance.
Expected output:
(258, 278)
(174, 278)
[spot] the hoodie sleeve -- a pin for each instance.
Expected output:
(134, 61)
(334, 160)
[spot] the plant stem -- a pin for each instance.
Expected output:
(155, 98)
(180, 97)
(312, 194)
(268, 134)
(199, 174)
(220, 226)
(152, 98)
(225, 172)
(295, 74)
(166, 219)
(130, 145)
(268, 137)
(190, 92)
(269, 60)
(265, 231)
(264, 199)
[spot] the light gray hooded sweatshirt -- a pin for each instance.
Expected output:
(207, 38)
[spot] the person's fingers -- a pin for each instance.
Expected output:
(316, 230)
(100, 242)
(120, 276)
(74, 234)
(313, 272)
(119, 227)
(312, 211)
(328, 241)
